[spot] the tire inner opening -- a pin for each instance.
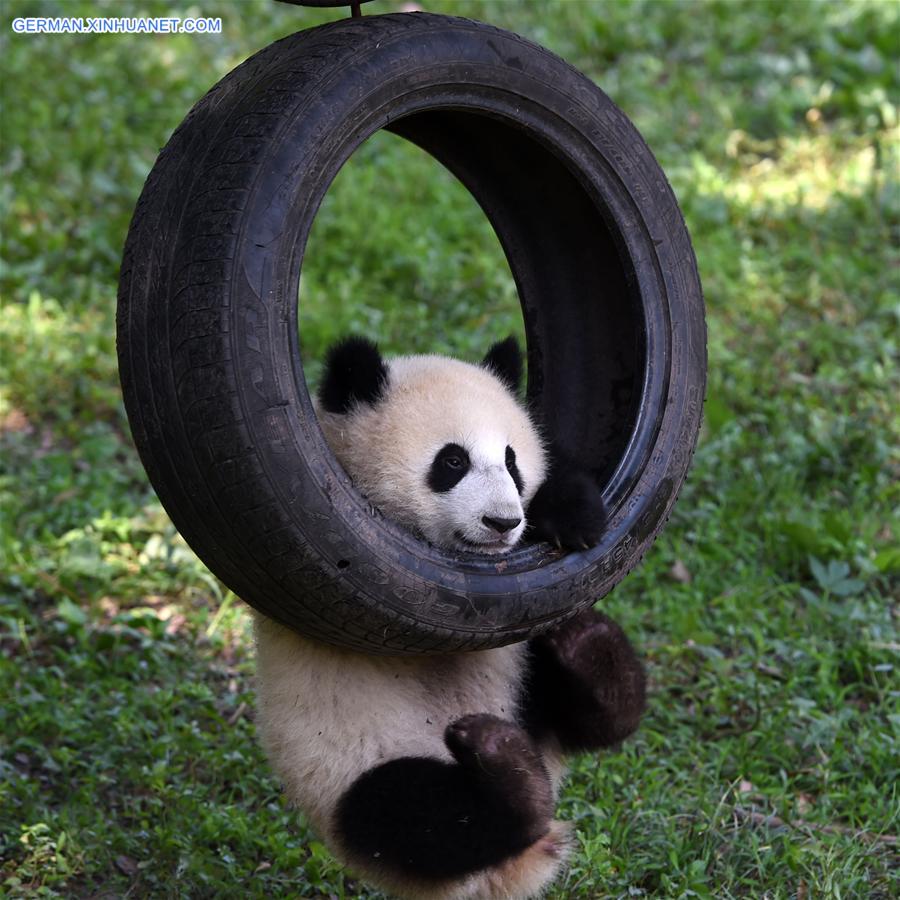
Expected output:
(580, 301)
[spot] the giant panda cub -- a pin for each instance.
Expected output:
(436, 776)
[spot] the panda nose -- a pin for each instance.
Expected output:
(500, 525)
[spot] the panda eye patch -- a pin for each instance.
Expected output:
(448, 468)
(513, 469)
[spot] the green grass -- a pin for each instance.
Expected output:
(768, 762)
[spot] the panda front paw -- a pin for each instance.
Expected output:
(568, 511)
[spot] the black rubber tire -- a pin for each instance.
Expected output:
(209, 349)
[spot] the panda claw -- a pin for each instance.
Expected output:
(568, 510)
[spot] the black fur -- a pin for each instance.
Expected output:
(434, 820)
(354, 372)
(448, 468)
(568, 508)
(513, 469)
(504, 359)
(584, 684)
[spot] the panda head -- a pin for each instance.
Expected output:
(441, 446)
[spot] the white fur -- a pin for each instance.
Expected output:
(327, 715)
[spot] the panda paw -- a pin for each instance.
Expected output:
(488, 742)
(568, 511)
(504, 758)
(597, 680)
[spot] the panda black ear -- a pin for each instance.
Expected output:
(354, 372)
(504, 359)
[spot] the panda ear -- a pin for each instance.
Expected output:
(504, 359)
(354, 372)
